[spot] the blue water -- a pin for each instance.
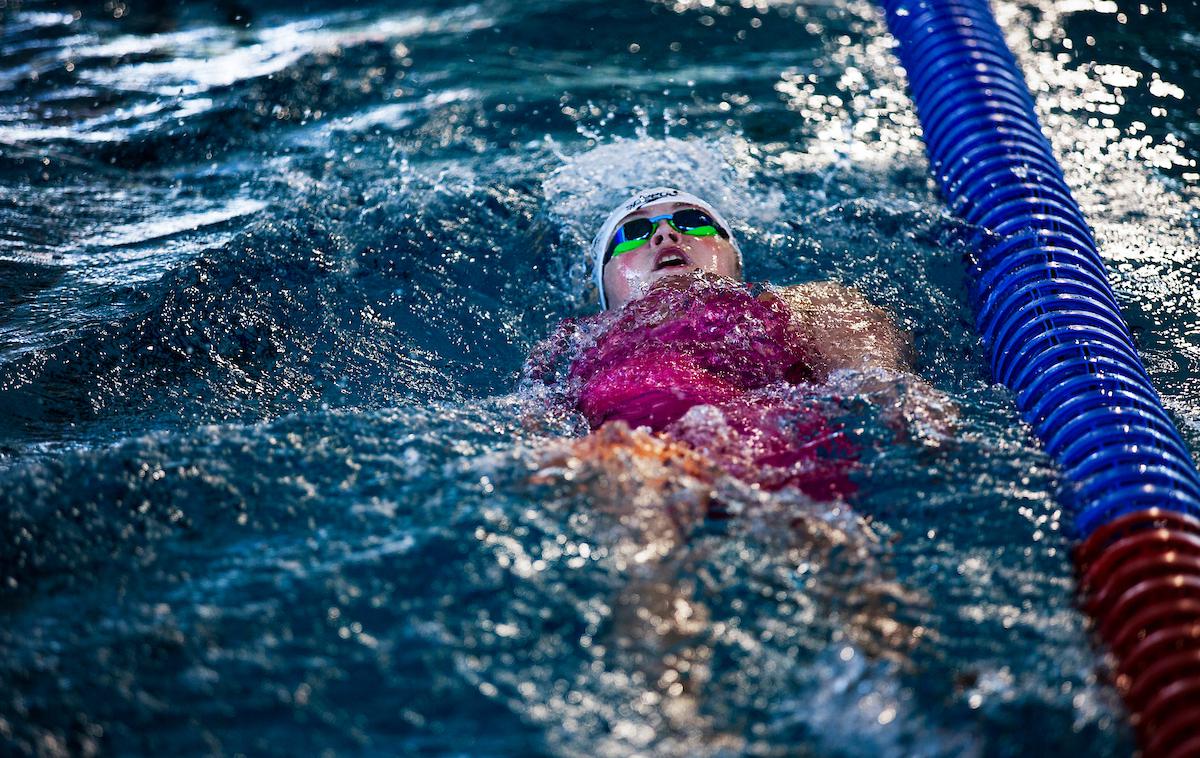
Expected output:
(269, 485)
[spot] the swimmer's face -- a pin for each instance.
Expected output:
(668, 252)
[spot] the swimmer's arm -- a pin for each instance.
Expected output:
(858, 343)
(846, 329)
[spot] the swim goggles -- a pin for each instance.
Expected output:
(637, 231)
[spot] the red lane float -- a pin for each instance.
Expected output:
(1139, 578)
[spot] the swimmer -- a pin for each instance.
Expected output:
(684, 348)
(703, 393)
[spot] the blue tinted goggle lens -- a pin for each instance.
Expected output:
(635, 232)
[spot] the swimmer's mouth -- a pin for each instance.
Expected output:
(671, 257)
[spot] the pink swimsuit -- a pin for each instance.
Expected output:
(714, 344)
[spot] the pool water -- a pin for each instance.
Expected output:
(270, 482)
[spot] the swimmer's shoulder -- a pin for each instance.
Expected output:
(846, 329)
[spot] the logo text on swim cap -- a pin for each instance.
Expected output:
(641, 200)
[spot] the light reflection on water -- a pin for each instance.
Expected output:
(267, 282)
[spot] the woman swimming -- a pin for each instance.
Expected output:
(737, 374)
(707, 398)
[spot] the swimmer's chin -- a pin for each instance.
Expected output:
(687, 270)
(677, 277)
(689, 273)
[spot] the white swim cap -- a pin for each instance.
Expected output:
(641, 200)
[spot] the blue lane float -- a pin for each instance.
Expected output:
(1055, 336)
(1044, 307)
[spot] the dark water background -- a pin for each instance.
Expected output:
(268, 276)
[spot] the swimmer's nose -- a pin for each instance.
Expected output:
(664, 233)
